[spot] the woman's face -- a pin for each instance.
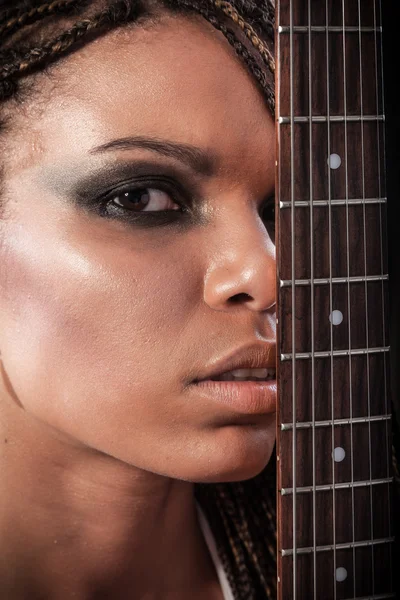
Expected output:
(113, 299)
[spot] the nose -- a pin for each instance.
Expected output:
(242, 266)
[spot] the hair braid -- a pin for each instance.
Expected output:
(245, 534)
(245, 515)
(239, 48)
(218, 503)
(261, 12)
(227, 561)
(9, 13)
(50, 51)
(228, 501)
(248, 30)
(255, 549)
(252, 65)
(33, 15)
(240, 574)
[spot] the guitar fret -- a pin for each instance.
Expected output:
(337, 486)
(328, 353)
(335, 522)
(332, 119)
(325, 281)
(342, 546)
(329, 423)
(337, 202)
(330, 29)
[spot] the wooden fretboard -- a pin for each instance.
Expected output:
(335, 533)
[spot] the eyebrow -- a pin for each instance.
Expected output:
(198, 160)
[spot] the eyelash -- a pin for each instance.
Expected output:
(160, 217)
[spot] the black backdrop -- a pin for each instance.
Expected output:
(391, 57)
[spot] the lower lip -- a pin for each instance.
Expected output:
(243, 397)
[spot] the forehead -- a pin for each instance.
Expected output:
(176, 79)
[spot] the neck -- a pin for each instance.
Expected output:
(76, 520)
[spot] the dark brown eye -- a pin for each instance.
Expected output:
(145, 200)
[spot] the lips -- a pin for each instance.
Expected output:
(246, 375)
(239, 397)
(245, 397)
(253, 356)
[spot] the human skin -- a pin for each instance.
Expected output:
(104, 321)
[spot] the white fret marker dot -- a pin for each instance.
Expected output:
(336, 317)
(341, 574)
(334, 161)
(339, 454)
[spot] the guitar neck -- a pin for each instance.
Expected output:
(335, 533)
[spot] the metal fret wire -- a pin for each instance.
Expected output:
(333, 119)
(312, 301)
(317, 281)
(308, 424)
(330, 296)
(348, 299)
(335, 202)
(340, 546)
(294, 437)
(327, 353)
(322, 29)
(388, 448)
(345, 485)
(366, 294)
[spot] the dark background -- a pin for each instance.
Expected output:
(391, 69)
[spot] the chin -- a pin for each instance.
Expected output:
(243, 452)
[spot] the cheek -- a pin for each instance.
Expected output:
(88, 329)
(96, 335)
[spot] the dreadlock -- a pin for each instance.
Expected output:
(242, 515)
(18, 60)
(12, 23)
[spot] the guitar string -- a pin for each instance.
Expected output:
(310, 134)
(293, 257)
(366, 298)
(330, 293)
(348, 296)
(293, 279)
(380, 127)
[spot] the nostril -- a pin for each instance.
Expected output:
(240, 298)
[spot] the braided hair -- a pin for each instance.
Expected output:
(34, 36)
(26, 20)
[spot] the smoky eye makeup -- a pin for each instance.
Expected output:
(117, 177)
(96, 191)
(119, 190)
